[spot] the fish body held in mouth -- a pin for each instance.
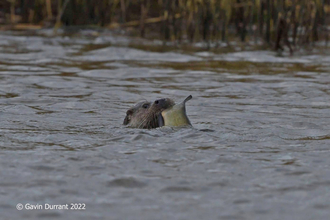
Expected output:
(176, 116)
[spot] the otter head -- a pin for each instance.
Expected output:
(146, 114)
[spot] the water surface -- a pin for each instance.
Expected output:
(259, 148)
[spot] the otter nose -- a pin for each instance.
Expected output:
(160, 101)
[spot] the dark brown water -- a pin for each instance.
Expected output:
(259, 149)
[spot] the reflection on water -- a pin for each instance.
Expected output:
(259, 148)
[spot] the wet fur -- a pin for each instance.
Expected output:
(139, 116)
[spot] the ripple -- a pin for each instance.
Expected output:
(128, 182)
(177, 189)
(125, 53)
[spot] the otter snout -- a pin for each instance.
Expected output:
(163, 103)
(160, 102)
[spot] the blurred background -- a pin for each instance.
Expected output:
(277, 23)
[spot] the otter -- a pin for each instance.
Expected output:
(147, 115)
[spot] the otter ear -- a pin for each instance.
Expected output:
(128, 116)
(129, 112)
(126, 121)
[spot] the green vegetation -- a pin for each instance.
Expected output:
(277, 23)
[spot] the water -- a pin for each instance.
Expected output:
(259, 148)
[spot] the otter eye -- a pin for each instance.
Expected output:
(145, 106)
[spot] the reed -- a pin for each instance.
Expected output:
(276, 22)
